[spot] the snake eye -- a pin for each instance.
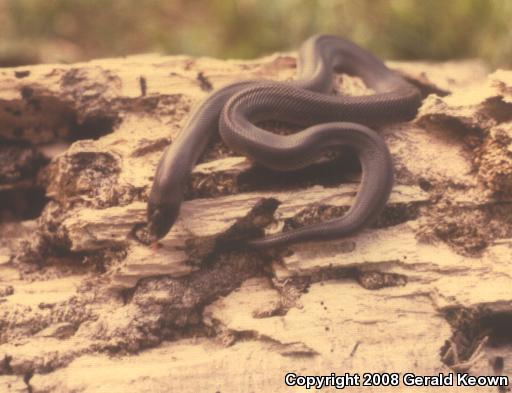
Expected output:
(161, 219)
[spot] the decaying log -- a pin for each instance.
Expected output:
(417, 292)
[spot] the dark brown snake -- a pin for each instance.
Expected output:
(328, 120)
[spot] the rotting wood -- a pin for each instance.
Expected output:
(77, 285)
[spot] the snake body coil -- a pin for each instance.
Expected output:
(328, 121)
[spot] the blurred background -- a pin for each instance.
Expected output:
(33, 31)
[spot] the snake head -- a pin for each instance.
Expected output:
(161, 218)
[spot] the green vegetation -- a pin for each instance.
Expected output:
(71, 30)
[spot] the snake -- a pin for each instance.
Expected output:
(327, 121)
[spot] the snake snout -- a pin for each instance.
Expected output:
(161, 219)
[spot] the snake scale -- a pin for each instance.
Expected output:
(327, 120)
